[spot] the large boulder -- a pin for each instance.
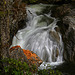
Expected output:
(23, 55)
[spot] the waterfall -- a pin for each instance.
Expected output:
(40, 35)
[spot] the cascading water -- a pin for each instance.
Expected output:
(40, 35)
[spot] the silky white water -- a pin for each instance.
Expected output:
(40, 35)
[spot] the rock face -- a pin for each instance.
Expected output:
(69, 37)
(66, 14)
(69, 45)
(18, 18)
(31, 58)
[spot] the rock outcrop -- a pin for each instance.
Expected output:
(31, 58)
(66, 24)
(69, 37)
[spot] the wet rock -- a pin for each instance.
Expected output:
(55, 54)
(31, 58)
(55, 35)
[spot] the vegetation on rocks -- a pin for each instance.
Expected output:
(16, 67)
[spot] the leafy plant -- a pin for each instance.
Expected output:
(15, 67)
(49, 72)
